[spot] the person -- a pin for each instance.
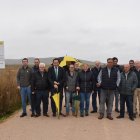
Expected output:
(56, 76)
(108, 80)
(115, 64)
(132, 65)
(137, 90)
(97, 90)
(85, 84)
(40, 87)
(76, 67)
(35, 69)
(24, 75)
(127, 87)
(70, 88)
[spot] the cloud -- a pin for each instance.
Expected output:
(87, 29)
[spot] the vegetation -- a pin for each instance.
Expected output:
(9, 94)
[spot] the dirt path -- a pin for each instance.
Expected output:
(69, 128)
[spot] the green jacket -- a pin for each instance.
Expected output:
(24, 76)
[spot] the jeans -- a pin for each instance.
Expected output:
(25, 92)
(69, 96)
(94, 99)
(116, 99)
(84, 102)
(109, 96)
(129, 102)
(42, 96)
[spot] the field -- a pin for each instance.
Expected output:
(9, 95)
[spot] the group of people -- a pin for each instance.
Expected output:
(108, 82)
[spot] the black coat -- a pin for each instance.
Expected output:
(52, 77)
(86, 81)
(39, 82)
(120, 68)
(138, 77)
(95, 74)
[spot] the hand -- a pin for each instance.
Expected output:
(67, 88)
(56, 83)
(55, 86)
(77, 88)
(18, 87)
(98, 84)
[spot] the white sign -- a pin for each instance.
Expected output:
(2, 60)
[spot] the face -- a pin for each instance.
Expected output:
(97, 64)
(137, 64)
(131, 64)
(41, 68)
(56, 63)
(126, 68)
(85, 67)
(71, 68)
(110, 63)
(25, 63)
(76, 65)
(115, 62)
(36, 63)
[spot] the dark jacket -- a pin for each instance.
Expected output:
(138, 77)
(133, 68)
(120, 68)
(24, 76)
(71, 82)
(85, 81)
(127, 86)
(96, 71)
(52, 77)
(40, 81)
(35, 69)
(109, 83)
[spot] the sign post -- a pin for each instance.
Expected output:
(2, 59)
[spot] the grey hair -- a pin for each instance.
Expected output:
(42, 64)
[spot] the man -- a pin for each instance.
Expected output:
(70, 88)
(40, 87)
(115, 63)
(132, 65)
(24, 84)
(85, 84)
(97, 90)
(56, 76)
(76, 67)
(137, 90)
(127, 87)
(108, 80)
(35, 69)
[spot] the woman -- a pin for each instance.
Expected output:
(85, 84)
(70, 88)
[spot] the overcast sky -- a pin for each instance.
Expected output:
(85, 29)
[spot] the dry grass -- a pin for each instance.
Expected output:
(9, 95)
